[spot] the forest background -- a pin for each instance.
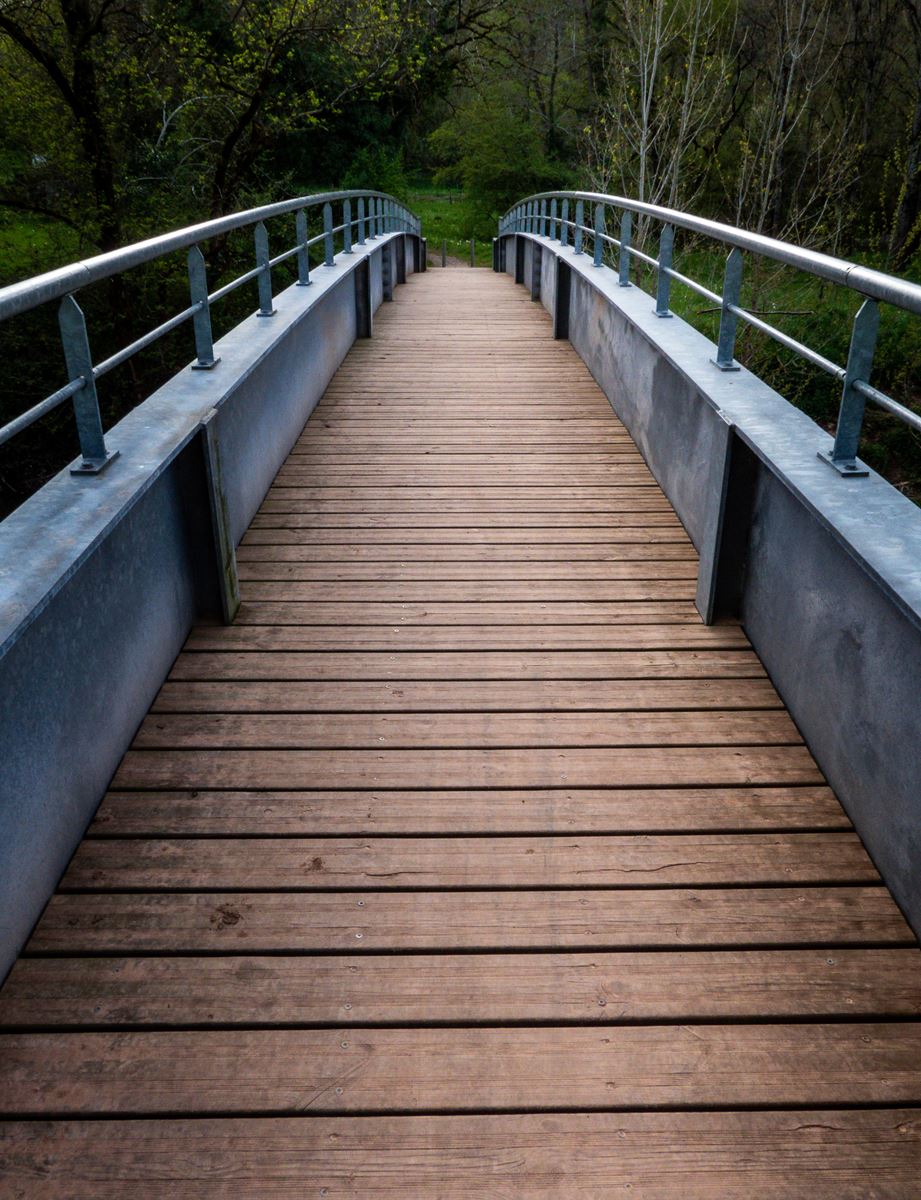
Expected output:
(120, 119)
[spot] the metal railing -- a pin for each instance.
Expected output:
(364, 217)
(547, 214)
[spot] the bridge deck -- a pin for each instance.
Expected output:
(468, 862)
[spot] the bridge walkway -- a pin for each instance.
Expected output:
(468, 861)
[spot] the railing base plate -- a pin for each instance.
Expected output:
(95, 466)
(853, 469)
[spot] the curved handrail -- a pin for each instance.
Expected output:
(52, 285)
(377, 213)
(548, 212)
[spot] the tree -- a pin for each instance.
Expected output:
(125, 115)
(662, 82)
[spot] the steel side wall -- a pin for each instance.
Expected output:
(91, 626)
(831, 591)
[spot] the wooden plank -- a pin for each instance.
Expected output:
(572, 552)
(379, 921)
(520, 612)
(306, 500)
(824, 1154)
(510, 989)
(480, 1069)
(678, 860)
(456, 695)
(496, 599)
(546, 493)
(223, 663)
(594, 810)
(532, 767)
(411, 730)
(489, 580)
(478, 638)
(277, 517)
(522, 475)
(468, 535)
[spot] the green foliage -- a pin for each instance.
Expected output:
(378, 168)
(494, 152)
(449, 218)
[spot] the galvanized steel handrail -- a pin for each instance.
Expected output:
(547, 214)
(376, 213)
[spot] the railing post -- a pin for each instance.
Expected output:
(553, 224)
(347, 227)
(201, 321)
(329, 254)
(361, 220)
(577, 235)
(732, 294)
(626, 232)
(663, 279)
(303, 254)
(599, 235)
(843, 455)
(264, 278)
(564, 223)
(79, 363)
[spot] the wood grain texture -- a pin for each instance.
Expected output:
(592, 810)
(382, 730)
(562, 696)
(459, 1070)
(824, 1154)
(528, 767)
(679, 860)
(446, 665)
(507, 989)
(372, 921)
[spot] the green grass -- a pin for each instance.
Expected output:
(447, 218)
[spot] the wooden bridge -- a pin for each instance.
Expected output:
(468, 862)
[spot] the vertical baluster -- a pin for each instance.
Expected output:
(361, 220)
(599, 235)
(843, 456)
(329, 256)
(303, 254)
(626, 231)
(732, 294)
(663, 279)
(580, 221)
(347, 227)
(564, 223)
(201, 321)
(264, 278)
(79, 362)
